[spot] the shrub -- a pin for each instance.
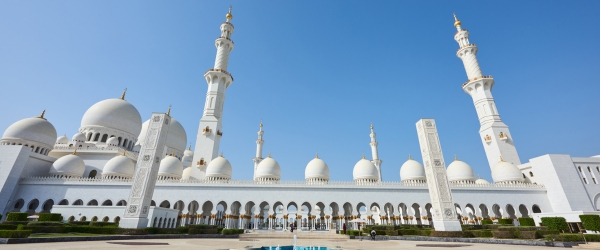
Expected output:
(590, 221)
(20, 227)
(482, 233)
(14, 216)
(379, 232)
(96, 230)
(232, 231)
(45, 223)
(471, 227)
(48, 229)
(14, 233)
(391, 232)
(515, 228)
(454, 234)
(426, 232)
(491, 226)
(487, 222)
(103, 224)
(527, 222)
(528, 234)
(505, 221)
(382, 228)
(409, 232)
(49, 217)
(353, 232)
(15, 222)
(7, 227)
(504, 234)
(548, 232)
(203, 226)
(80, 223)
(201, 231)
(555, 223)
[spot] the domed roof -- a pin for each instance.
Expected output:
(460, 171)
(176, 137)
(170, 166)
(79, 137)
(193, 173)
(219, 168)
(316, 169)
(268, 168)
(113, 141)
(68, 165)
(188, 152)
(412, 170)
(506, 171)
(364, 169)
(115, 114)
(120, 166)
(35, 129)
(481, 181)
(62, 139)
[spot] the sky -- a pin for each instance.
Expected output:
(317, 73)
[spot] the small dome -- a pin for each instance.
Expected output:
(482, 181)
(120, 166)
(188, 152)
(68, 165)
(192, 173)
(268, 168)
(34, 129)
(171, 167)
(115, 114)
(188, 157)
(460, 171)
(365, 170)
(113, 141)
(316, 169)
(62, 139)
(412, 170)
(505, 172)
(219, 168)
(176, 137)
(79, 137)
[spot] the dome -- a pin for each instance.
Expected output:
(79, 137)
(460, 171)
(115, 114)
(176, 137)
(364, 169)
(113, 141)
(412, 170)
(268, 168)
(170, 166)
(62, 139)
(68, 165)
(34, 129)
(482, 181)
(120, 166)
(506, 171)
(188, 152)
(219, 168)
(316, 169)
(192, 173)
(188, 157)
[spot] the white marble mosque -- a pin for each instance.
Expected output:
(89, 175)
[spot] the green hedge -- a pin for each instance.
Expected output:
(491, 226)
(515, 228)
(504, 234)
(391, 232)
(103, 224)
(80, 223)
(453, 234)
(426, 231)
(45, 223)
(7, 227)
(528, 234)
(590, 221)
(482, 233)
(471, 227)
(49, 217)
(202, 231)
(555, 223)
(574, 237)
(505, 221)
(203, 226)
(232, 231)
(14, 233)
(527, 222)
(353, 232)
(382, 228)
(48, 229)
(409, 231)
(16, 216)
(486, 222)
(15, 222)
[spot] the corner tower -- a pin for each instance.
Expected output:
(218, 79)
(495, 136)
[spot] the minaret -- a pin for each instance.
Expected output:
(376, 161)
(494, 134)
(259, 146)
(218, 79)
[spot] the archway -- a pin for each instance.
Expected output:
(207, 208)
(107, 203)
(523, 210)
(33, 204)
(179, 205)
(47, 206)
(63, 202)
(536, 209)
(416, 209)
(497, 211)
(485, 213)
(92, 203)
(165, 204)
(511, 212)
(122, 203)
(78, 203)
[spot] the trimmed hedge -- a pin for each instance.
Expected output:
(491, 226)
(353, 232)
(486, 222)
(49, 217)
(574, 237)
(505, 234)
(453, 234)
(482, 233)
(391, 232)
(409, 232)
(48, 229)
(232, 231)
(7, 227)
(505, 221)
(382, 228)
(529, 234)
(45, 223)
(103, 224)
(527, 222)
(555, 223)
(203, 226)
(471, 227)
(515, 228)
(79, 223)
(590, 221)
(15, 222)
(202, 231)
(426, 231)
(14, 233)
(14, 216)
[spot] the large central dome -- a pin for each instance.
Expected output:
(115, 114)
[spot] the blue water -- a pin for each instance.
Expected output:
(291, 248)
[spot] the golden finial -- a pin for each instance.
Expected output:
(363, 156)
(409, 157)
(455, 159)
(501, 160)
(75, 151)
(269, 156)
(124, 151)
(42, 115)
(221, 155)
(456, 21)
(229, 16)
(261, 125)
(169, 111)
(317, 155)
(173, 153)
(479, 177)
(371, 126)
(190, 147)
(123, 95)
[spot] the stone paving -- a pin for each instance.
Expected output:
(245, 244)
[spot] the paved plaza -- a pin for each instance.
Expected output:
(221, 244)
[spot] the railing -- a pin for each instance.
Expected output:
(220, 70)
(227, 38)
(476, 78)
(132, 154)
(229, 24)
(468, 45)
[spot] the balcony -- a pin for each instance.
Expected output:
(476, 78)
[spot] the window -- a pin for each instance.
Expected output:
(585, 180)
(530, 173)
(579, 169)
(594, 179)
(589, 170)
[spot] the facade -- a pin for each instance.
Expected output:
(92, 175)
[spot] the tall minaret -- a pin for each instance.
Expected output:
(259, 146)
(376, 161)
(218, 79)
(494, 134)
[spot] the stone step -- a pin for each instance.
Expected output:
(589, 245)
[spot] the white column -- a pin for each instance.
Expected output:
(375, 153)
(259, 146)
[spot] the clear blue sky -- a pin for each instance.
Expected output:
(316, 72)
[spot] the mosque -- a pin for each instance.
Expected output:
(88, 177)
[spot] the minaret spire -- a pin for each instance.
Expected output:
(259, 146)
(218, 80)
(494, 134)
(374, 152)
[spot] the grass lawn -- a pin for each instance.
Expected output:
(63, 235)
